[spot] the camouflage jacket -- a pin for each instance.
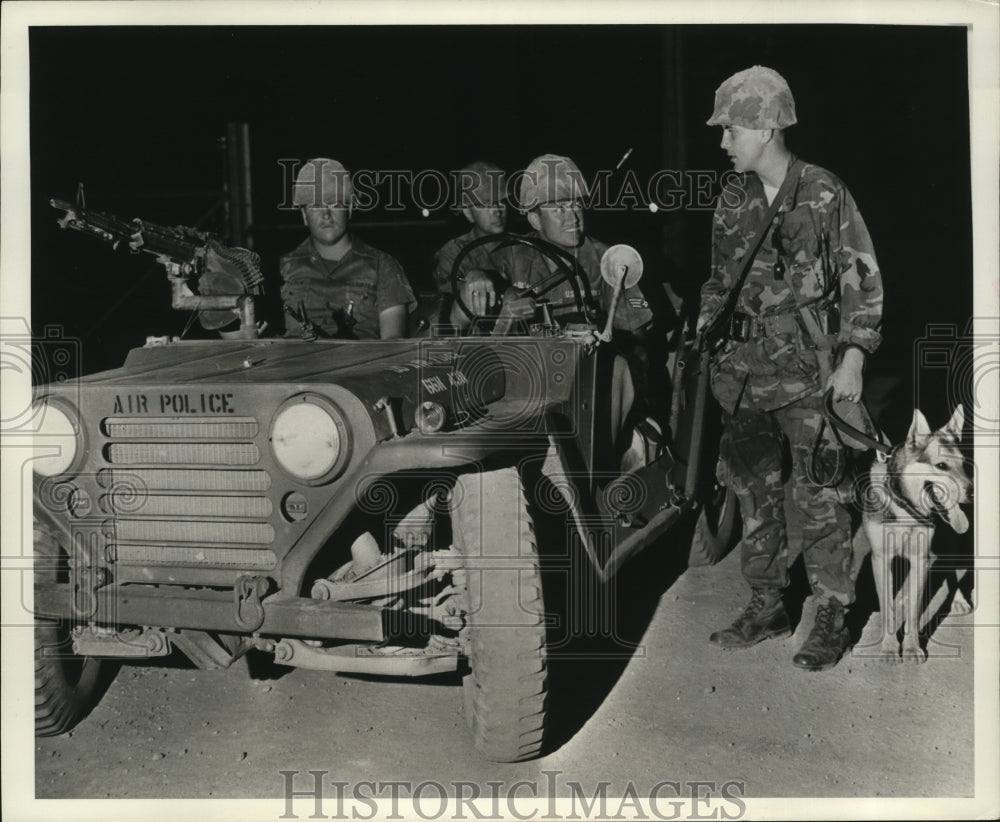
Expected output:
(481, 257)
(830, 268)
(366, 279)
(528, 267)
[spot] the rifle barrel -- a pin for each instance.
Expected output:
(155, 239)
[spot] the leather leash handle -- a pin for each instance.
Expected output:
(850, 430)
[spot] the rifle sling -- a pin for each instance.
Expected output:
(791, 178)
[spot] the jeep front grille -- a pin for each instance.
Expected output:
(180, 479)
(243, 428)
(181, 453)
(186, 492)
(244, 533)
(158, 505)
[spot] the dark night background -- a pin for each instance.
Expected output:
(137, 113)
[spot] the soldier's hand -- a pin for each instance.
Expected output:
(846, 379)
(478, 292)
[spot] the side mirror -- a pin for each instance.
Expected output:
(621, 261)
(621, 268)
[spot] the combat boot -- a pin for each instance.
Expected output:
(763, 618)
(827, 641)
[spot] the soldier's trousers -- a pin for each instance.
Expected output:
(763, 458)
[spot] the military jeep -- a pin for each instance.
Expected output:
(350, 506)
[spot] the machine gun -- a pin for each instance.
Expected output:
(227, 278)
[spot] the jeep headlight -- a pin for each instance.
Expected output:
(56, 438)
(309, 438)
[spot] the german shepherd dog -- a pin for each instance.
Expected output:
(921, 479)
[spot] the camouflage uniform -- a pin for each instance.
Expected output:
(372, 279)
(482, 257)
(770, 386)
(526, 267)
(551, 178)
(362, 283)
(483, 185)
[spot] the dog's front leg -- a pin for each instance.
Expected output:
(882, 573)
(916, 581)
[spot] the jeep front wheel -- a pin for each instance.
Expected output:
(67, 686)
(715, 530)
(506, 688)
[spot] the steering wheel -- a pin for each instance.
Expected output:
(567, 269)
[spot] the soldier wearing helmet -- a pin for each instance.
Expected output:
(552, 194)
(806, 316)
(482, 199)
(334, 282)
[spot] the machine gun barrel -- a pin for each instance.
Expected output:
(184, 250)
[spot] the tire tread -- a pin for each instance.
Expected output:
(509, 672)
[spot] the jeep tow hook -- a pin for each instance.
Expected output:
(247, 594)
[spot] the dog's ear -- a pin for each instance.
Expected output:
(956, 423)
(920, 431)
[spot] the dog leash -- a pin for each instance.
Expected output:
(814, 468)
(883, 452)
(845, 427)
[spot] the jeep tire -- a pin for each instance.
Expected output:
(67, 686)
(715, 530)
(506, 689)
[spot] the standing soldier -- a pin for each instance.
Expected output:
(334, 282)
(800, 319)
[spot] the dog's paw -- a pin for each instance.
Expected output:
(889, 651)
(913, 653)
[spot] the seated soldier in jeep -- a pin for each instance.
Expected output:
(552, 194)
(334, 283)
(482, 190)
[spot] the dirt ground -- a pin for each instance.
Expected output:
(670, 708)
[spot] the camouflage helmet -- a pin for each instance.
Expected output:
(322, 181)
(756, 97)
(481, 184)
(550, 178)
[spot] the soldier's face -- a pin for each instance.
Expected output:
(744, 146)
(327, 223)
(560, 222)
(490, 219)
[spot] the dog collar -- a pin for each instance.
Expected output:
(896, 493)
